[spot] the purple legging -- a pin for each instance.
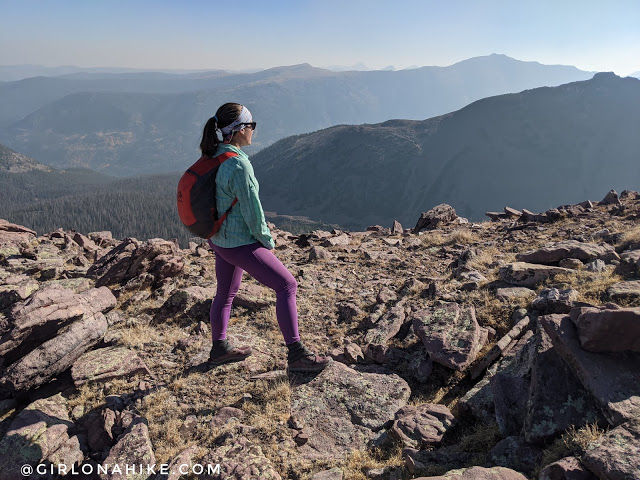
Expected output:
(265, 267)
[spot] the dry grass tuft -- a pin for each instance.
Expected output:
(461, 236)
(572, 442)
(433, 239)
(591, 286)
(486, 260)
(584, 436)
(631, 236)
(139, 335)
(92, 395)
(490, 312)
(5, 420)
(359, 461)
(480, 438)
(161, 411)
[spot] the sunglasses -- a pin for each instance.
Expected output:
(252, 125)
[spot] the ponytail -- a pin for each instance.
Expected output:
(210, 140)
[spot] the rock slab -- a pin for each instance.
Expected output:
(442, 214)
(625, 291)
(386, 327)
(341, 407)
(107, 363)
(616, 455)
(524, 274)
(134, 449)
(556, 397)
(422, 425)
(614, 330)
(40, 317)
(479, 473)
(39, 433)
(450, 333)
(612, 379)
(568, 468)
(569, 249)
(239, 460)
(54, 356)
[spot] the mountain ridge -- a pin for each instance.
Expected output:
(162, 132)
(495, 140)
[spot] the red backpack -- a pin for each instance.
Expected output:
(197, 196)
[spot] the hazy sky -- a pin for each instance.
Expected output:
(245, 34)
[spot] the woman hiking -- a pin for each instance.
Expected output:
(244, 243)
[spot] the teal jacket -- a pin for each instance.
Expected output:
(246, 223)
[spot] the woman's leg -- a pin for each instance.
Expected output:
(266, 268)
(228, 278)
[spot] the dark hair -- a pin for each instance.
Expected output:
(224, 116)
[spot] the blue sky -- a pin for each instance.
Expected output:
(248, 34)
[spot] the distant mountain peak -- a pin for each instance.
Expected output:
(606, 76)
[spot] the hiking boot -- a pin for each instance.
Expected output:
(309, 363)
(222, 352)
(301, 359)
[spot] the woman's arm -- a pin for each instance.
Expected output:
(245, 187)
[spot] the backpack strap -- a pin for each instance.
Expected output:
(223, 217)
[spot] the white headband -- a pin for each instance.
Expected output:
(244, 117)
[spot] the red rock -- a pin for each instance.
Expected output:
(39, 434)
(333, 474)
(319, 253)
(239, 459)
(54, 356)
(130, 259)
(568, 468)
(616, 455)
(105, 364)
(513, 452)
(442, 214)
(185, 457)
(386, 327)
(341, 407)
(422, 425)
(38, 319)
(569, 249)
(610, 198)
(98, 426)
(613, 379)
(512, 212)
(301, 438)
(252, 297)
(450, 333)
(133, 448)
(16, 289)
(85, 242)
(625, 291)
(353, 353)
(224, 415)
(610, 330)
(556, 398)
(479, 473)
(12, 233)
(529, 274)
(629, 263)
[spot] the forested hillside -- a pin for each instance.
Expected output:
(46, 199)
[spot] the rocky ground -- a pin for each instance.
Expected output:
(507, 349)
